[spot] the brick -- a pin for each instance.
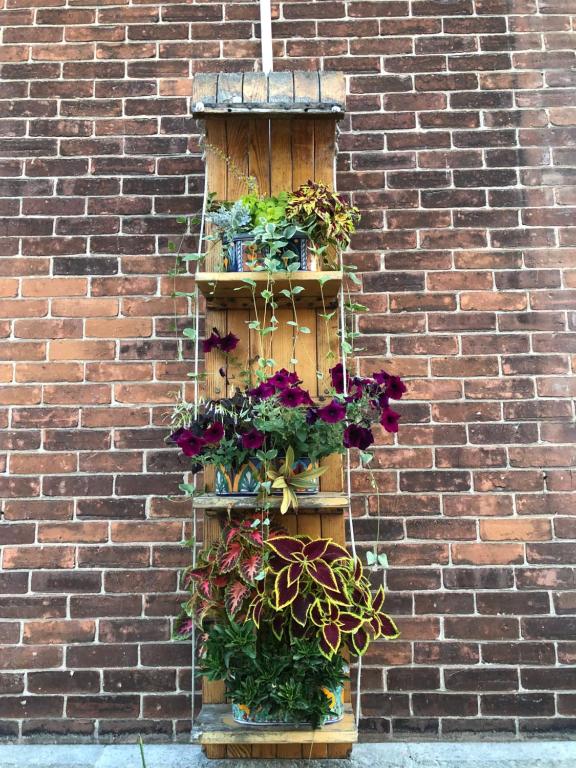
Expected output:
(55, 632)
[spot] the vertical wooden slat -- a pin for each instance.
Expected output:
(237, 149)
(324, 149)
(217, 180)
(302, 151)
(281, 153)
(255, 88)
(259, 153)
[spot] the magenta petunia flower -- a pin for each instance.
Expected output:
(252, 440)
(356, 436)
(389, 420)
(211, 342)
(293, 397)
(214, 433)
(228, 342)
(333, 412)
(263, 391)
(395, 387)
(188, 442)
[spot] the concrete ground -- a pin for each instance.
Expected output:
(531, 754)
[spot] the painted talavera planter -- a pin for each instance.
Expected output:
(241, 256)
(242, 714)
(245, 480)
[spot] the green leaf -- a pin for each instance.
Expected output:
(248, 281)
(324, 279)
(293, 361)
(297, 289)
(366, 457)
(190, 333)
(187, 488)
(355, 279)
(370, 558)
(255, 523)
(193, 257)
(292, 322)
(304, 329)
(383, 560)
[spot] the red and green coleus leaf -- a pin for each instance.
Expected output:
(284, 590)
(236, 592)
(299, 608)
(230, 557)
(251, 566)
(349, 622)
(315, 549)
(331, 636)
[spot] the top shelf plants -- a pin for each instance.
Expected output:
(288, 232)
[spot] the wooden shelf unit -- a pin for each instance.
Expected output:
(281, 152)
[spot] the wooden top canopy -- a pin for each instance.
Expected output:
(276, 93)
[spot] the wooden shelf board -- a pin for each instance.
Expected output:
(329, 501)
(215, 725)
(219, 288)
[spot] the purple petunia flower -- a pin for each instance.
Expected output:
(293, 397)
(311, 415)
(333, 412)
(389, 420)
(283, 378)
(395, 387)
(188, 442)
(211, 342)
(214, 433)
(252, 440)
(356, 436)
(337, 378)
(263, 391)
(228, 342)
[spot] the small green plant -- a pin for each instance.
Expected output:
(291, 482)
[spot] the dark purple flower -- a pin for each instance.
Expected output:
(252, 440)
(283, 378)
(395, 387)
(212, 342)
(356, 436)
(333, 412)
(228, 342)
(381, 377)
(389, 420)
(188, 442)
(337, 378)
(263, 391)
(293, 397)
(214, 433)
(311, 415)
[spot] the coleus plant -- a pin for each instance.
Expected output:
(301, 588)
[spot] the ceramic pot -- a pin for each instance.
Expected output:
(241, 256)
(245, 480)
(242, 714)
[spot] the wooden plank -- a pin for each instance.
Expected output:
(215, 725)
(324, 151)
(217, 181)
(204, 88)
(219, 288)
(229, 87)
(255, 88)
(280, 88)
(236, 322)
(281, 156)
(333, 87)
(237, 151)
(306, 350)
(302, 151)
(325, 501)
(259, 153)
(306, 87)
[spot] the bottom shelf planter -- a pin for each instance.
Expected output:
(216, 725)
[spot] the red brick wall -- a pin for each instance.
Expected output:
(457, 149)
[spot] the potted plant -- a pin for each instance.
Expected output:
(284, 232)
(270, 438)
(274, 611)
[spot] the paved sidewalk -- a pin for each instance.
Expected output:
(530, 754)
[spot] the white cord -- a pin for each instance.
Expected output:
(196, 370)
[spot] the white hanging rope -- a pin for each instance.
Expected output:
(196, 371)
(266, 36)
